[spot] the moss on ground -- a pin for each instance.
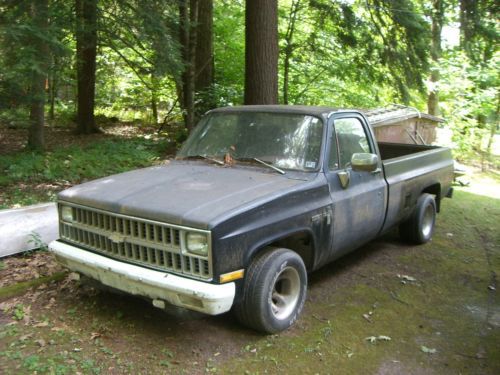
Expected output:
(431, 309)
(20, 288)
(446, 321)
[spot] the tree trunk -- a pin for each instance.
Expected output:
(204, 49)
(188, 33)
(294, 9)
(53, 83)
(154, 99)
(468, 22)
(86, 51)
(39, 11)
(261, 52)
(204, 76)
(437, 26)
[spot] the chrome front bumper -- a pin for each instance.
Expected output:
(195, 295)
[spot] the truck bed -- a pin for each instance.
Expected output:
(411, 170)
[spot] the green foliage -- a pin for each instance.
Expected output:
(354, 53)
(18, 312)
(24, 175)
(76, 164)
(36, 241)
(18, 35)
(470, 98)
(229, 51)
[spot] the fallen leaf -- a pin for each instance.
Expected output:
(95, 335)
(407, 278)
(367, 317)
(41, 324)
(425, 349)
(41, 343)
(373, 339)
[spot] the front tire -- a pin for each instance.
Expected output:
(419, 227)
(274, 291)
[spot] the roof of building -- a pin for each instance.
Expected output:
(396, 113)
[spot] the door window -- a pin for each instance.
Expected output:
(351, 139)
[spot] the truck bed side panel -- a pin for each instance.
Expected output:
(409, 175)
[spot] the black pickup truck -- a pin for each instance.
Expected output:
(257, 197)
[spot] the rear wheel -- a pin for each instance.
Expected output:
(274, 291)
(419, 227)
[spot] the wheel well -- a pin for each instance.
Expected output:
(436, 191)
(302, 243)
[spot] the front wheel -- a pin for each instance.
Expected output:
(419, 227)
(274, 291)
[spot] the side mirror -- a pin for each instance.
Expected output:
(364, 162)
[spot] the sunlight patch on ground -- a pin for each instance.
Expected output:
(485, 184)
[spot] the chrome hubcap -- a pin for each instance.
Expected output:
(428, 220)
(285, 294)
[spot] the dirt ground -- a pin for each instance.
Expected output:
(388, 308)
(14, 139)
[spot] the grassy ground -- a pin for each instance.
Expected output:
(386, 309)
(28, 177)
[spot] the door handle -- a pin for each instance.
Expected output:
(344, 178)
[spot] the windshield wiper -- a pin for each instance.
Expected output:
(269, 165)
(279, 170)
(220, 162)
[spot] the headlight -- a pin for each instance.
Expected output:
(197, 243)
(67, 213)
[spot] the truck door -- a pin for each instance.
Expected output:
(359, 198)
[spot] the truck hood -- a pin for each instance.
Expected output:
(191, 194)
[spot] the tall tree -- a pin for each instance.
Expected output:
(188, 17)
(204, 59)
(261, 52)
(39, 14)
(86, 51)
(479, 40)
(289, 46)
(437, 17)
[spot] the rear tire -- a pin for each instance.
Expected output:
(274, 291)
(419, 227)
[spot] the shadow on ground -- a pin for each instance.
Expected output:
(388, 308)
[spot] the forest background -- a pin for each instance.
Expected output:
(85, 66)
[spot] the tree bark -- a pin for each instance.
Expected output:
(294, 10)
(204, 65)
(261, 52)
(468, 22)
(436, 51)
(188, 13)
(204, 49)
(53, 84)
(86, 51)
(154, 99)
(39, 11)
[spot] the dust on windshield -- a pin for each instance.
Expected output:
(284, 140)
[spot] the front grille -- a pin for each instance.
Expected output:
(151, 244)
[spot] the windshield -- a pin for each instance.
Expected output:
(288, 141)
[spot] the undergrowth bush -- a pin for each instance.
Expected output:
(75, 163)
